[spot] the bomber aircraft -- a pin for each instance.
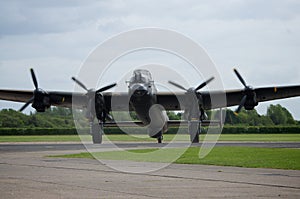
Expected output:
(149, 104)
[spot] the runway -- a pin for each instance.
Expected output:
(26, 172)
(36, 146)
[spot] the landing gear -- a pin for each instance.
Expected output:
(96, 131)
(160, 139)
(158, 136)
(194, 131)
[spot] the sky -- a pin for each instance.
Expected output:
(260, 38)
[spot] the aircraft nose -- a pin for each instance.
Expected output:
(139, 90)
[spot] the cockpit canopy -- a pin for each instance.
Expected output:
(141, 76)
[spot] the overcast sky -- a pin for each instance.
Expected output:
(260, 38)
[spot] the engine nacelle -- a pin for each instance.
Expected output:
(41, 101)
(100, 106)
(250, 106)
(251, 101)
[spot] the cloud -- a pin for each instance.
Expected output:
(35, 17)
(261, 38)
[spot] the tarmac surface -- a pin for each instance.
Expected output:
(46, 146)
(27, 172)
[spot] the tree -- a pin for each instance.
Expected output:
(12, 118)
(173, 116)
(280, 115)
(290, 119)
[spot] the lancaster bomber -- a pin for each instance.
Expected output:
(149, 105)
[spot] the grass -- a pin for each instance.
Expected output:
(250, 157)
(167, 137)
(40, 138)
(261, 137)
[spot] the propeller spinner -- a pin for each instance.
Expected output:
(194, 89)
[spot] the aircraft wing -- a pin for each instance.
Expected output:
(15, 95)
(65, 98)
(233, 97)
(170, 101)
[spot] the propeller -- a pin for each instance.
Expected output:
(248, 89)
(240, 77)
(192, 91)
(106, 88)
(80, 84)
(91, 94)
(41, 100)
(178, 85)
(35, 83)
(26, 104)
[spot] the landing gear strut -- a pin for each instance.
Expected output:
(96, 131)
(194, 131)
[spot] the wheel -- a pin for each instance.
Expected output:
(159, 139)
(96, 134)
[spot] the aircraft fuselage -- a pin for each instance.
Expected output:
(142, 92)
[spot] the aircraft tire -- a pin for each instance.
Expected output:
(160, 139)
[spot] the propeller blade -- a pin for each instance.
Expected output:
(204, 83)
(242, 103)
(34, 78)
(177, 85)
(240, 77)
(80, 84)
(26, 104)
(106, 88)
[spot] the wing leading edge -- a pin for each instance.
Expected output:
(25, 95)
(170, 101)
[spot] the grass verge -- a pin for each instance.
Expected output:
(40, 138)
(250, 157)
(145, 138)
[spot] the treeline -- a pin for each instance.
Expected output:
(58, 117)
(276, 115)
(55, 117)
